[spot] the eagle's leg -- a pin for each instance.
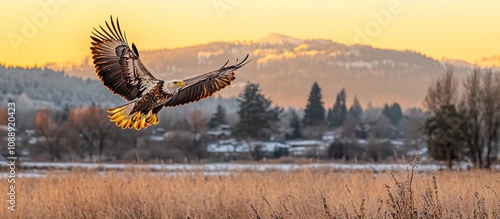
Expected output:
(157, 109)
(153, 119)
(128, 116)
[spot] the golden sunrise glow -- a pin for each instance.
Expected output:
(37, 32)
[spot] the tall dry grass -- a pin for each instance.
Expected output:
(275, 194)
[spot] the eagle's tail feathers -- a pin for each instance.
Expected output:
(123, 117)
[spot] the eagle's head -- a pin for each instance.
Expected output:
(173, 85)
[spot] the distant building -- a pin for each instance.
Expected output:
(422, 152)
(233, 149)
(308, 148)
(223, 131)
(228, 150)
(271, 149)
(329, 136)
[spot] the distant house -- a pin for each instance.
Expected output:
(233, 149)
(397, 143)
(223, 131)
(422, 152)
(229, 149)
(271, 149)
(29, 132)
(329, 136)
(362, 142)
(308, 148)
(158, 131)
(37, 140)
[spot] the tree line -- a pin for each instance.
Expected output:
(86, 133)
(465, 120)
(255, 114)
(462, 123)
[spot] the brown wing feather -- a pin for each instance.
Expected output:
(205, 85)
(118, 66)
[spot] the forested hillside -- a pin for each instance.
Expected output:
(35, 88)
(286, 67)
(53, 89)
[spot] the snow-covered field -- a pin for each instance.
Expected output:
(37, 169)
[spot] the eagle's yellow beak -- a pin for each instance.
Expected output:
(180, 83)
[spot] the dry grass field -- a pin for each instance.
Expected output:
(273, 194)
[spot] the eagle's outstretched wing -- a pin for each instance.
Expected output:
(205, 85)
(118, 66)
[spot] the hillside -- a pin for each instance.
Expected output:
(36, 88)
(286, 67)
(48, 88)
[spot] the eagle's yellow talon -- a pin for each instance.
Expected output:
(136, 117)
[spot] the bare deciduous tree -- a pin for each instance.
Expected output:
(473, 106)
(199, 124)
(54, 135)
(93, 129)
(476, 119)
(197, 121)
(445, 124)
(491, 112)
(382, 129)
(349, 126)
(443, 92)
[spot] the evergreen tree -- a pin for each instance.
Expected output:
(446, 133)
(386, 111)
(218, 118)
(446, 128)
(329, 117)
(339, 110)
(295, 127)
(393, 113)
(314, 112)
(257, 120)
(356, 110)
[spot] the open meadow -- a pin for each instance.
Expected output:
(302, 193)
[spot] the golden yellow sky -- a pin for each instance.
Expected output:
(41, 31)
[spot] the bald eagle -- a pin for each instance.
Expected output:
(120, 69)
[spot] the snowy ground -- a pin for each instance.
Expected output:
(37, 169)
